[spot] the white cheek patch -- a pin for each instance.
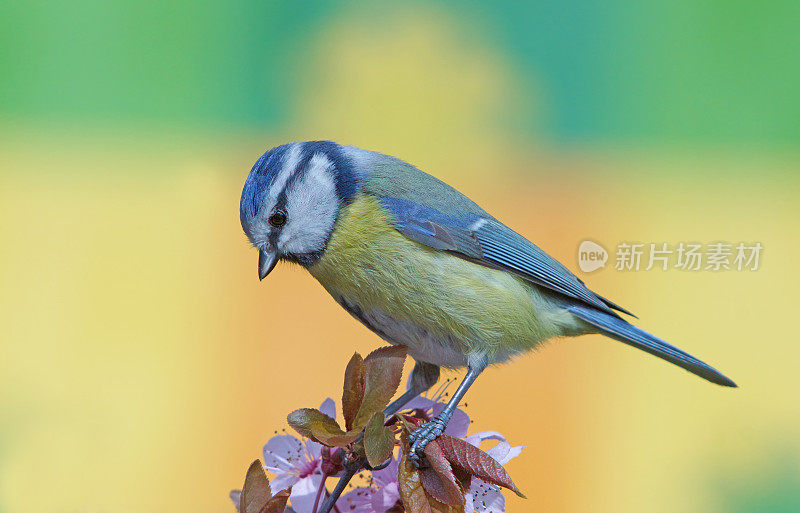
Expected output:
(290, 162)
(311, 206)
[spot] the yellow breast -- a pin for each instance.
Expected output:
(462, 306)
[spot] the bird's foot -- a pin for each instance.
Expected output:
(425, 434)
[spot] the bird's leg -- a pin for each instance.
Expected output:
(431, 430)
(423, 377)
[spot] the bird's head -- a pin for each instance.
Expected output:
(291, 200)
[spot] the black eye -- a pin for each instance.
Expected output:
(278, 219)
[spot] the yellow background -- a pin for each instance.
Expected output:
(143, 365)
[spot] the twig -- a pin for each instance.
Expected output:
(350, 470)
(319, 492)
(353, 467)
(335, 506)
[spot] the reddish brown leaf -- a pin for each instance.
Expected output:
(353, 394)
(378, 441)
(476, 462)
(277, 504)
(464, 478)
(413, 495)
(255, 492)
(439, 507)
(383, 370)
(314, 424)
(409, 483)
(438, 479)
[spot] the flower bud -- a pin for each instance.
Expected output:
(332, 461)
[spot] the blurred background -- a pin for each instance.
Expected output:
(142, 364)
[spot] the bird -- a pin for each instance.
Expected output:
(424, 267)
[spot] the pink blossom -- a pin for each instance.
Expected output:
(297, 463)
(459, 422)
(483, 496)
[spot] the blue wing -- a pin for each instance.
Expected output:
(486, 241)
(618, 329)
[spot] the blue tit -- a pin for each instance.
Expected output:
(423, 266)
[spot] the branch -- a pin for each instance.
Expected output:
(351, 468)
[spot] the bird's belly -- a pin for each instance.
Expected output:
(444, 350)
(442, 307)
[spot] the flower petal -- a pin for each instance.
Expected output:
(358, 500)
(385, 497)
(485, 497)
(458, 425)
(419, 402)
(304, 492)
(236, 497)
(313, 450)
(459, 422)
(388, 475)
(469, 502)
(503, 452)
(328, 407)
(282, 452)
(282, 482)
(499, 452)
(476, 438)
(512, 453)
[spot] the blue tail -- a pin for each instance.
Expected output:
(619, 329)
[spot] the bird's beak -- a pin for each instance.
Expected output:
(266, 262)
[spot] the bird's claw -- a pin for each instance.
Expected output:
(422, 436)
